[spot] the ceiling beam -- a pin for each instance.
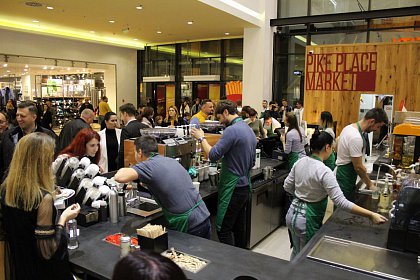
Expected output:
(386, 13)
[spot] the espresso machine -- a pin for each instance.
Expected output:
(404, 231)
(181, 149)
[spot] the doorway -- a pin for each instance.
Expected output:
(370, 101)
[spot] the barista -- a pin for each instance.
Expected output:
(350, 151)
(310, 182)
(171, 186)
(236, 148)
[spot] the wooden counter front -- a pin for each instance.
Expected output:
(129, 148)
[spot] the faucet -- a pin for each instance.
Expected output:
(390, 167)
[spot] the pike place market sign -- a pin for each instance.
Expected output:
(353, 71)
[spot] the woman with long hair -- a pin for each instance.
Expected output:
(172, 118)
(109, 143)
(327, 125)
(84, 144)
(146, 117)
(294, 140)
(36, 246)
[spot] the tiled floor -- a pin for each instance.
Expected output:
(277, 243)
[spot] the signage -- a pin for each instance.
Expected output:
(354, 71)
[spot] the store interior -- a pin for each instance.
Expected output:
(65, 83)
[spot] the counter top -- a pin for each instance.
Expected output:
(98, 258)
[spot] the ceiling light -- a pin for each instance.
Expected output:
(111, 21)
(159, 32)
(126, 30)
(92, 31)
(8, 71)
(227, 33)
(26, 66)
(5, 65)
(135, 39)
(5, 75)
(190, 22)
(25, 69)
(68, 68)
(35, 20)
(52, 67)
(45, 67)
(50, 8)
(139, 7)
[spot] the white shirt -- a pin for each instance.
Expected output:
(103, 161)
(299, 115)
(350, 144)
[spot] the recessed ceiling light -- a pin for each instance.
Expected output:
(26, 66)
(5, 75)
(190, 22)
(50, 7)
(92, 31)
(8, 71)
(25, 69)
(45, 67)
(135, 39)
(111, 21)
(5, 65)
(139, 7)
(227, 33)
(52, 67)
(35, 20)
(159, 32)
(68, 68)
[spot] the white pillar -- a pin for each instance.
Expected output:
(258, 59)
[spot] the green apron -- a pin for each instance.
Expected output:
(270, 132)
(330, 162)
(179, 222)
(347, 175)
(315, 212)
(226, 186)
(292, 158)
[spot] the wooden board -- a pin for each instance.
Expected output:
(397, 73)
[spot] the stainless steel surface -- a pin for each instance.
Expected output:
(182, 148)
(364, 258)
(113, 206)
(400, 117)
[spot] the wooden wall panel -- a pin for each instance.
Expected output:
(397, 73)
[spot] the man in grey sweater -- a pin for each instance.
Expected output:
(236, 148)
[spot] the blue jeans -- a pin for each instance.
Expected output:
(202, 230)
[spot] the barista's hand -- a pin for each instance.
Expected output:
(372, 186)
(71, 212)
(282, 138)
(197, 133)
(377, 218)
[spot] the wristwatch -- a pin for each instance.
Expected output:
(201, 139)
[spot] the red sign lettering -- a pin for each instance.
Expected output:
(341, 71)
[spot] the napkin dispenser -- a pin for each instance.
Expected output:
(87, 216)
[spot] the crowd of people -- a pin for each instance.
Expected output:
(36, 244)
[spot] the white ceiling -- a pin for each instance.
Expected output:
(89, 20)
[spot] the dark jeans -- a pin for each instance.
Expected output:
(202, 230)
(233, 230)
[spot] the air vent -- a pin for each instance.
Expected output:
(33, 4)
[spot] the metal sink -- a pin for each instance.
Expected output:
(364, 258)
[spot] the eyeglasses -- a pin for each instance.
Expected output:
(172, 110)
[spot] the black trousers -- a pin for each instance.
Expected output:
(233, 229)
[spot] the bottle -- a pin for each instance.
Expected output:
(384, 199)
(125, 243)
(113, 206)
(122, 205)
(72, 231)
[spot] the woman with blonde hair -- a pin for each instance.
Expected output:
(172, 117)
(36, 247)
